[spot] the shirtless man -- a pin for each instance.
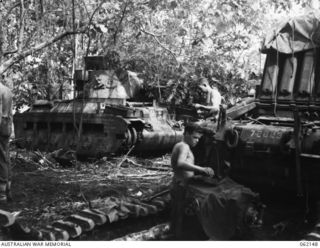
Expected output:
(213, 100)
(5, 132)
(182, 161)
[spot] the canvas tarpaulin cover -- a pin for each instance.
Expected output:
(221, 206)
(296, 34)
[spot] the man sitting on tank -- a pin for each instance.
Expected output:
(184, 168)
(213, 100)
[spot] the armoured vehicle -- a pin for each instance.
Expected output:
(274, 141)
(104, 117)
(270, 144)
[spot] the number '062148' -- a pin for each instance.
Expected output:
(308, 243)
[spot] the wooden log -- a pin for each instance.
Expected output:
(154, 233)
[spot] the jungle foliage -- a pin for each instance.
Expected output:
(170, 43)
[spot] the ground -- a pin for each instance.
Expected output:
(45, 190)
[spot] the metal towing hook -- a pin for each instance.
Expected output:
(254, 215)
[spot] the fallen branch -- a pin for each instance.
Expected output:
(158, 232)
(164, 192)
(21, 55)
(167, 168)
(125, 157)
(133, 162)
(144, 175)
(85, 199)
(158, 169)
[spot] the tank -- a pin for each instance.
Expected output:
(273, 141)
(105, 117)
(268, 144)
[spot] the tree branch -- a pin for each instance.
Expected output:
(4, 19)
(10, 52)
(15, 5)
(120, 22)
(157, 40)
(21, 55)
(21, 32)
(90, 22)
(33, 34)
(1, 42)
(85, 7)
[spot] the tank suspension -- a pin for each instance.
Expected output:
(131, 136)
(128, 141)
(134, 135)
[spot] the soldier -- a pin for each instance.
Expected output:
(182, 161)
(5, 132)
(213, 100)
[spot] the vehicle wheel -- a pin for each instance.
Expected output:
(134, 135)
(128, 138)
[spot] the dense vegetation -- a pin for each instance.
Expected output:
(169, 43)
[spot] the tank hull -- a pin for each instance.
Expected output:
(92, 130)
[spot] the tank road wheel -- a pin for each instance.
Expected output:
(131, 137)
(134, 135)
(128, 141)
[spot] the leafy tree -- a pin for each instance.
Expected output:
(170, 43)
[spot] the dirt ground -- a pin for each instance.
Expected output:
(45, 190)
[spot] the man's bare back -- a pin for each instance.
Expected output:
(213, 100)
